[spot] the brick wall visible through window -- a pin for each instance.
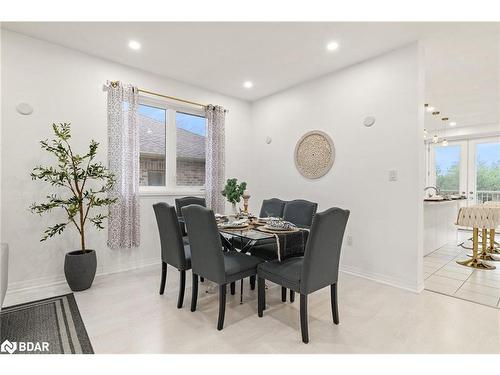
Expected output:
(188, 157)
(190, 172)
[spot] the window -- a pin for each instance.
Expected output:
(172, 147)
(191, 141)
(152, 150)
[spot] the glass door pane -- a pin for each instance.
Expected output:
(448, 168)
(484, 184)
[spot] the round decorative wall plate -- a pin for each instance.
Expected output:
(314, 154)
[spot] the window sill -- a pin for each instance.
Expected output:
(171, 192)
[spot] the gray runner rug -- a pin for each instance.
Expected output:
(48, 326)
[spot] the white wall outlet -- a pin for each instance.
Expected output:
(393, 175)
(349, 240)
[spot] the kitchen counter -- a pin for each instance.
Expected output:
(439, 223)
(444, 200)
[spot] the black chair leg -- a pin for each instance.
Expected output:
(202, 279)
(233, 288)
(292, 296)
(261, 296)
(163, 277)
(194, 295)
(283, 294)
(252, 282)
(335, 307)
(303, 318)
(222, 306)
(182, 286)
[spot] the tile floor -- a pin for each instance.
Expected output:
(443, 275)
(123, 313)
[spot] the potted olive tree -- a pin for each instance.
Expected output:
(83, 184)
(233, 192)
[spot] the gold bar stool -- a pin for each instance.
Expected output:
(493, 249)
(475, 262)
(486, 254)
(478, 217)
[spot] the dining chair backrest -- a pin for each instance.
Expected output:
(272, 208)
(206, 246)
(300, 212)
(322, 253)
(186, 201)
(172, 247)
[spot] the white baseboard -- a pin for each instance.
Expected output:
(16, 289)
(384, 279)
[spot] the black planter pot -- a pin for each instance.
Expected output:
(79, 269)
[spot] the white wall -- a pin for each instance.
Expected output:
(64, 85)
(386, 217)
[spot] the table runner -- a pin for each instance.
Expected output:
(290, 244)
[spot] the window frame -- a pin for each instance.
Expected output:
(170, 187)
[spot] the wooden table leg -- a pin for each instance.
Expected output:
(475, 262)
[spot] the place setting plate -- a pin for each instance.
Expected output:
(281, 227)
(233, 226)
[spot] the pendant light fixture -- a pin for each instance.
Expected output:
(444, 143)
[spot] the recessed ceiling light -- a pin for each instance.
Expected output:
(430, 109)
(332, 46)
(248, 84)
(135, 45)
(453, 123)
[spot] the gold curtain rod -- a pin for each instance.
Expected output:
(115, 83)
(172, 98)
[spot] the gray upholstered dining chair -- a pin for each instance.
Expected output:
(318, 268)
(300, 212)
(208, 259)
(173, 250)
(186, 201)
(272, 208)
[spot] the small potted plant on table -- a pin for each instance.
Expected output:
(233, 192)
(85, 181)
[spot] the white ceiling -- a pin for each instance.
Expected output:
(462, 59)
(462, 64)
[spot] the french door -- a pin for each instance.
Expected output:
(470, 168)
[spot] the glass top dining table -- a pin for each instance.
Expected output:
(245, 238)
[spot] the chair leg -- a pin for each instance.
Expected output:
(335, 306)
(182, 286)
(292, 296)
(194, 295)
(303, 318)
(252, 282)
(163, 277)
(233, 288)
(222, 306)
(261, 296)
(283, 294)
(202, 279)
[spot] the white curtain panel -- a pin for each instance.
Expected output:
(123, 159)
(215, 159)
